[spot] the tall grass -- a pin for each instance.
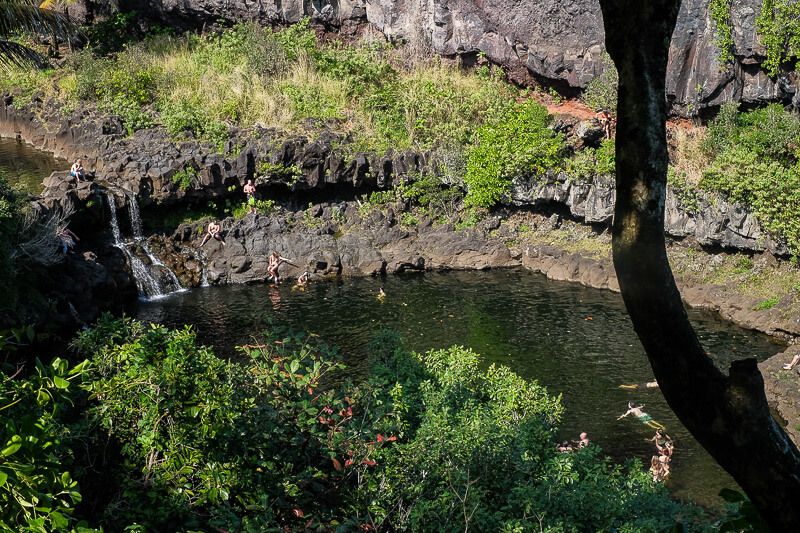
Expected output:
(285, 79)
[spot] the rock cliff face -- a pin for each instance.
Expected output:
(561, 43)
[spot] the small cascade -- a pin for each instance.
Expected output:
(138, 237)
(146, 284)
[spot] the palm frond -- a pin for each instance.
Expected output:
(16, 55)
(26, 16)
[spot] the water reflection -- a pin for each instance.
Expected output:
(576, 341)
(26, 167)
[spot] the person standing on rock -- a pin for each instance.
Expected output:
(250, 192)
(214, 229)
(275, 261)
(606, 121)
(77, 171)
(67, 238)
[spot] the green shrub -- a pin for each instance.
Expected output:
(513, 144)
(601, 92)
(587, 163)
(185, 177)
(778, 25)
(263, 207)
(37, 490)
(763, 305)
(720, 13)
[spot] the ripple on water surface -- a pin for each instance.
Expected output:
(576, 341)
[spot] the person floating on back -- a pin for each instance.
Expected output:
(644, 418)
(77, 171)
(214, 229)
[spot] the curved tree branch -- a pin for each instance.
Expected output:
(728, 415)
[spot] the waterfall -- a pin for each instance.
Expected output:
(138, 237)
(149, 287)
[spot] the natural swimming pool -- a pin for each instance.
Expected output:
(576, 341)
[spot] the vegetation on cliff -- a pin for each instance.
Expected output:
(168, 436)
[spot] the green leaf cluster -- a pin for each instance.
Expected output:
(37, 490)
(517, 142)
(720, 13)
(755, 162)
(778, 26)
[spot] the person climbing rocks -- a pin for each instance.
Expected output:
(644, 418)
(250, 192)
(67, 238)
(275, 261)
(606, 121)
(77, 171)
(214, 231)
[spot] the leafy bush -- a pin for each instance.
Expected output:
(720, 13)
(37, 491)
(515, 143)
(185, 177)
(778, 25)
(601, 92)
(590, 162)
(755, 163)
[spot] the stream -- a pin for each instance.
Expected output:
(576, 341)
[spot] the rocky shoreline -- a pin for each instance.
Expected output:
(321, 223)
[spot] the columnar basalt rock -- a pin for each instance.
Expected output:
(552, 41)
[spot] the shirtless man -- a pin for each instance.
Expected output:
(214, 229)
(250, 191)
(302, 281)
(584, 442)
(643, 417)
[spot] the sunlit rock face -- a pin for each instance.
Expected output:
(560, 43)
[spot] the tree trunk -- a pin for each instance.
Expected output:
(728, 414)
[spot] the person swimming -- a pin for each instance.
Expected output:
(381, 294)
(643, 417)
(634, 386)
(302, 281)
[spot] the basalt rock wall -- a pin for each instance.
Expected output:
(559, 42)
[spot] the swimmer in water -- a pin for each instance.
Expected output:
(634, 386)
(381, 294)
(643, 417)
(302, 281)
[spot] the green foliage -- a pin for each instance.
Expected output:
(588, 163)
(37, 491)
(742, 514)
(763, 305)
(688, 194)
(778, 25)
(515, 143)
(185, 177)
(755, 163)
(263, 207)
(601, 92)
(720, 13)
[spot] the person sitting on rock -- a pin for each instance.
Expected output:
(795, 359)
(584, 440)
(67, 238)
(214, 229)
(250, 192)
(275, 261)
(77, 171)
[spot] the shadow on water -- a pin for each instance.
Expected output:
(26, 167)
(576, 341)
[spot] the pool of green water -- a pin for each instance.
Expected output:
(576, 341)
(25, 167)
